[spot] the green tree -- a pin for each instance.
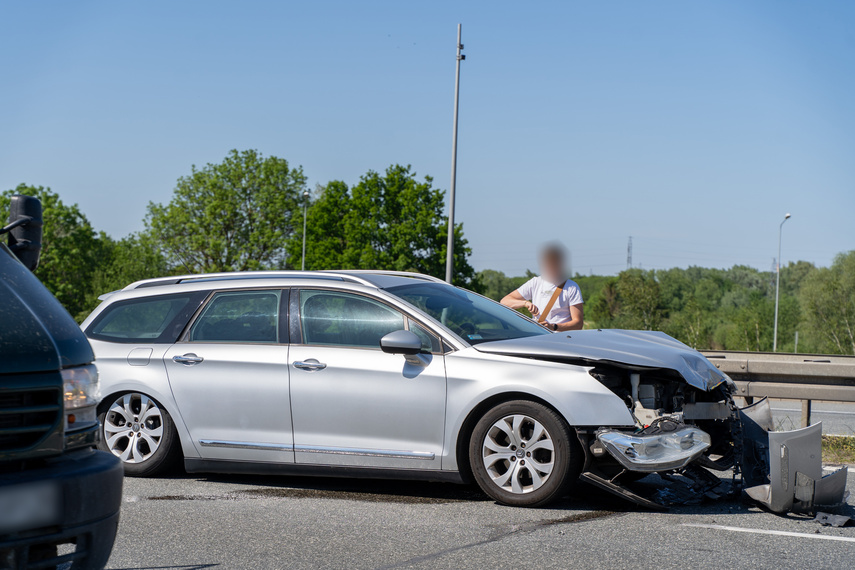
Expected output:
(793, 276)
(676, 286)
(640, 300)
(603, 308)
(828, 298)
(496, 284)
(233, 216)
(750, 330)
(326, 235)
(692, 325)
(71, 249)
(749, 278)
(388, 221)
(132, 258)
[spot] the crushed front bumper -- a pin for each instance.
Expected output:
(780, 470)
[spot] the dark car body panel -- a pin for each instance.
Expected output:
(81, 490)
(36, 332)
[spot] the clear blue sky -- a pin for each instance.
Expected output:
(691, 126)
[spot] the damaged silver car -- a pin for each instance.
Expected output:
(384, 374)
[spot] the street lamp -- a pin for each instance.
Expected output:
(305, 207)
(778, 284)
(449, 250)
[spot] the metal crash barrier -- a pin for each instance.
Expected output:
(805, 377)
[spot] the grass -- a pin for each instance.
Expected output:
(838, 449)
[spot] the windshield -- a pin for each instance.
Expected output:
(473, 317)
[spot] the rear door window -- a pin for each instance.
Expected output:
(239, 317)
(153, 319)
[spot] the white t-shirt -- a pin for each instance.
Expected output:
(538, 290)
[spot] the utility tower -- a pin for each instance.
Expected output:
(629, 253)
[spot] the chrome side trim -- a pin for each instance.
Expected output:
(246, 445)
(424, 455)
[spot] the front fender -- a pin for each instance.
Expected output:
(474, 377)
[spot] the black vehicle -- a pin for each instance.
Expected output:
(59, 497)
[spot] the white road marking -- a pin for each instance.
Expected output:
(772, 532)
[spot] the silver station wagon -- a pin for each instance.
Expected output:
(400, 375)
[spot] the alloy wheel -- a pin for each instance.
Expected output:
(518, 454)
(133, 428)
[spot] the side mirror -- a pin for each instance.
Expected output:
(25, 229)
(401, 342)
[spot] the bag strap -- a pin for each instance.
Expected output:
(542, 317)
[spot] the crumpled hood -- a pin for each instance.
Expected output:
(645, 349)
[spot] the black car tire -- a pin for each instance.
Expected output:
(497, 428)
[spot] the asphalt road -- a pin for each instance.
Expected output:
(225, 522)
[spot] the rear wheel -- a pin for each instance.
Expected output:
(137, 430)
(524, 454)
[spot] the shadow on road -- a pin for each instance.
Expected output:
(369, 490)
(190, 567)
(581, 500)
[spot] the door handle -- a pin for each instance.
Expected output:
(188, 359)
(310, 365)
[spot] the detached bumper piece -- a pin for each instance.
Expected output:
(793, 461)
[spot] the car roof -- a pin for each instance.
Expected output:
(350, 279)
(368, 278)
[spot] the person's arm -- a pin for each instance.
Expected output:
(516, 301)
(577, 319)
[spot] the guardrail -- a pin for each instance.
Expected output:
(804, 377)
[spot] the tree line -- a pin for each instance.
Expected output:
(246, 213)
(722, 309)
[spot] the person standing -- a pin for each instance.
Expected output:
(552, 299)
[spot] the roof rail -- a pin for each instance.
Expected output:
(222, 276)
(410, 274)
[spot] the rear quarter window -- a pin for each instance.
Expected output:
(148, 320)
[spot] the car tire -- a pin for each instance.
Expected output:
(140, 432)
(524, 454)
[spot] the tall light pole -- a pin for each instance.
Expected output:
(449, 250)
(778, 284)
(305, 208)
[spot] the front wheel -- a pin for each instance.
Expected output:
(140, 432)
(524, 454)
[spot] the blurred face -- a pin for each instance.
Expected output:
(552, 266)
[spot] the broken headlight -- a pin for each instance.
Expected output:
(655, 452)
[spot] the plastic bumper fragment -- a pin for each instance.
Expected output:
(795, 474)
